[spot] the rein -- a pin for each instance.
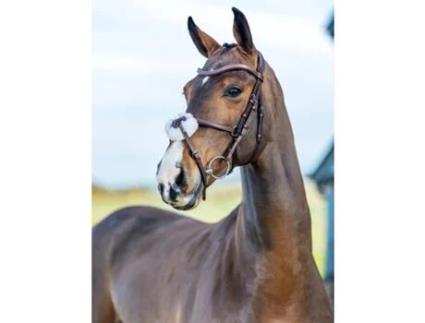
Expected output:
(236, 132)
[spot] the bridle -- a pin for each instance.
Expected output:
(237, 131)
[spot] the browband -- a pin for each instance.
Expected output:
(231, 67)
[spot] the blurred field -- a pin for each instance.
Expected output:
(221, 199)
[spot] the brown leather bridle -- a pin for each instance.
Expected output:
(237, 131)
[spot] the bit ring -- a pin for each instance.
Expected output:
(209, 170)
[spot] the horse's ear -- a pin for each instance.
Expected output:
(204, 42)
(241, 31)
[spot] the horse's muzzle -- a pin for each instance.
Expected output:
(175, 197)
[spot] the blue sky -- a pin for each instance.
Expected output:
(143, 55)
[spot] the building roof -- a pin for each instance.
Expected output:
(324, 173)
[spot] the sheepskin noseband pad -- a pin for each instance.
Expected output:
(187, 121)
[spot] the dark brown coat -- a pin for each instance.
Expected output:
(255, 265)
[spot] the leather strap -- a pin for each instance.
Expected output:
(209, 124)
(231, 67)
(241, 128)
(195, 155)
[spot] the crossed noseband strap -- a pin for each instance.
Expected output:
(183, 127)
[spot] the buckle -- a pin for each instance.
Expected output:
(235, 132)
(209, 170)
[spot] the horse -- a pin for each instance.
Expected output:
(255, 265)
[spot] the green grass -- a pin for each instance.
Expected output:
(221, 199)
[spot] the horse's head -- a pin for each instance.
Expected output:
(222, 125)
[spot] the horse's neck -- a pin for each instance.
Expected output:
(276, 214)
(275, 221)
(274, 206)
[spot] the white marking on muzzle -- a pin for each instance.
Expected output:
(171, 163)
(170, 166)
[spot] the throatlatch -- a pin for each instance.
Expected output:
(185, 125)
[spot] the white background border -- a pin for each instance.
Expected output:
(45, 179)
(380, 161)
(45, 92)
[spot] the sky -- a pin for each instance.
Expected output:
(143, 56)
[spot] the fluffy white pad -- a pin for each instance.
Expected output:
(190, 125)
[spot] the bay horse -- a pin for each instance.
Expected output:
(256, 265)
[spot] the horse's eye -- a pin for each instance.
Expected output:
(232, 92)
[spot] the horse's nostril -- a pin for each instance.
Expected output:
(180, 180)
(173, 194)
